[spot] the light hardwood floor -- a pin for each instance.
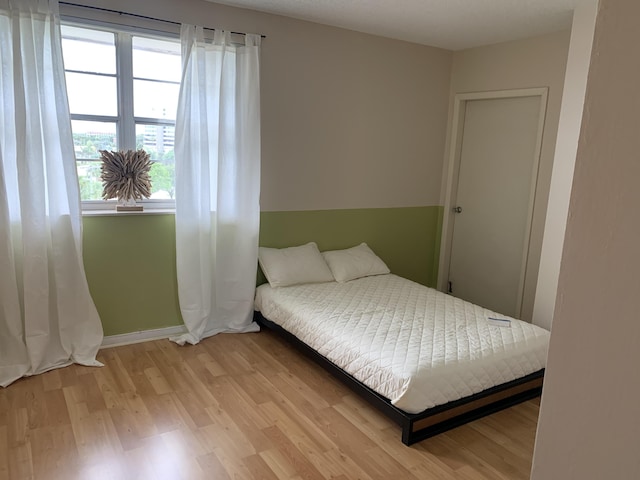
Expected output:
(233, 407)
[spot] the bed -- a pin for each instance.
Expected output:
(428, 360)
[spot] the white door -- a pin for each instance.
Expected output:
(493, 206)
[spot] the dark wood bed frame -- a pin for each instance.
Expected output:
(430, 422)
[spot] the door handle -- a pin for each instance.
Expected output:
(457, 209)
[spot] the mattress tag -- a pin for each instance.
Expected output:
(499, 322)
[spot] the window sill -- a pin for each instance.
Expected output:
(112, 212)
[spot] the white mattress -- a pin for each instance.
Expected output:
(414, 345)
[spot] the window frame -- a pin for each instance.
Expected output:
(125, 121)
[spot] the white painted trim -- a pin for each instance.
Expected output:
(142, 336)
(532, 198)
(513, 93)
(571, 111)
(453, 165)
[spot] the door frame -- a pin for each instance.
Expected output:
(453, 170)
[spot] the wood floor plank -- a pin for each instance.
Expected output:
(4, 450)
(491, 452)
(301, 464)
(57, 454)
(296, 427)
(117, 371)
(258, 468)
(341, 464)
(341, 431)
(194, 407)
(52, 381)
(232, 407)
(18, 427)
(386, 465)
(234, 465)
(21, 462)
(210, 464)
(516, 441)
(464, 459)
(278, 463)
(164, 412)
(244, 414)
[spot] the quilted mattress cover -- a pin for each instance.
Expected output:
(414, 345)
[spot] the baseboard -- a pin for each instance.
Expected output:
(141, 336)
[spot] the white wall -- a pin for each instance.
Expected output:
(564, 160)
(589, 426)
(349, 120)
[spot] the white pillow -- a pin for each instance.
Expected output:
(294, 265)
(355, 262)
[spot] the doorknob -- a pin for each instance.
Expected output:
(457, 209)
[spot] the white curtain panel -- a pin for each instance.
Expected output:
(47, 316)
(217, 183)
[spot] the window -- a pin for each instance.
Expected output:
(123, 94)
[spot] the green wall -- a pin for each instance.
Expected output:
(407, 239)
(130, 259)
(130, 262)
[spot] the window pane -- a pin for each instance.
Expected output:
(156, 59)
(88, 50)
(157, 141)
(155, 99)
(89, 180)
(90, 137)
(92, 94)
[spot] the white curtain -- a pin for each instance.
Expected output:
(217, 183)
(47, 316)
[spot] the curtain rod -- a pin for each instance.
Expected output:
(135, 15)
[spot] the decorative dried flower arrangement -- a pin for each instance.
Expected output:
(125, 176)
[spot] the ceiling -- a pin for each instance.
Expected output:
(450, 24)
